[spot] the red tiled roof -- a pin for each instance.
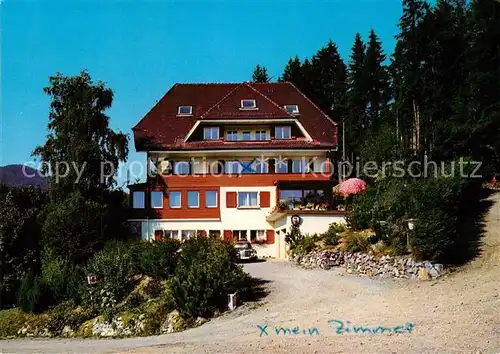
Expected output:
(162, 129)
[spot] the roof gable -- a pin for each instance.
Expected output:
(230, 105)
(162, 129)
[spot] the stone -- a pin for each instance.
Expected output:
(423, 274)
(199, 321)
(67, 331)
(172, 323)
(439, 267)
(434, 273)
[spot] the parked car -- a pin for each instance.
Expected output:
(245, 251)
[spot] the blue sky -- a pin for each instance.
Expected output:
(141, 48)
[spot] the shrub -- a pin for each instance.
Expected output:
(72, 227)
(33, 294)
(331, 237)
(356, 241)
(65, 314)
(114, 267)
(206, 273)
(158, 258)
(294, 237)
(65, 280)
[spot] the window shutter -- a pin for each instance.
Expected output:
(272, 165)
(265, 199)
(231, 199)
(269, 236)
(158, 235)
(228, 235)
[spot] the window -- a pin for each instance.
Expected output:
(232, 167)
(214, 233)
(158, 235)
(246, 167)
(188, 234)
(257, 235)
(173, 234)
(185, 110)
(262, 167)
(211, 199)
(282, 132)
(175, 199)
(138, 200)
(292, 108)
(314, 196)
(181, 167)
(246, 135)
(232, 135)
(248, 104)
(247, 199)
(240, 235)
(193, 199)
(211, 133)
(156, 199)
(281, 166)
(291, 196)
(299, 166)
(260, 135)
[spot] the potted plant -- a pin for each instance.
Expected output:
(310, 206)
(282, 205)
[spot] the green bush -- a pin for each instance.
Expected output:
(72, 227)
(331, 237)
(439, 203)
(65, 280)
(158, 259)
(294, 237)
(33, 294)
(115, 269)
(206, 273)
(356, 241)
(66, 314)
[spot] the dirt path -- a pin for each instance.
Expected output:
(456, 314)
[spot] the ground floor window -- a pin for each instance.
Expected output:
(302, 196)
(188, 234)
(173, 234)
(214, 233)
(158, 235)
(240, 235)
(257, 235)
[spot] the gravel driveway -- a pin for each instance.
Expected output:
(456, 314)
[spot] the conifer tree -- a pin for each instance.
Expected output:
(260, 74)
(376, 81)
(355, 119)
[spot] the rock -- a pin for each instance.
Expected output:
(67, 331)
(439, 267)
(423, 274)
(199, 321)
(173, 323)
(434, 273)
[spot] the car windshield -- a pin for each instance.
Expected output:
(242, 245)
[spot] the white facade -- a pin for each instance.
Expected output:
(248, 219)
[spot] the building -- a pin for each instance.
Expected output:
(232, 160)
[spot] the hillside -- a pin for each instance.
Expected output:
(15, 176)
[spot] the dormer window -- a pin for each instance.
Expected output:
(283, 132)
(211, 133)
(292, 108)
(185, 111)
(248, 104)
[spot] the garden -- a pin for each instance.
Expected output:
(432, 219)
(70, 265)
